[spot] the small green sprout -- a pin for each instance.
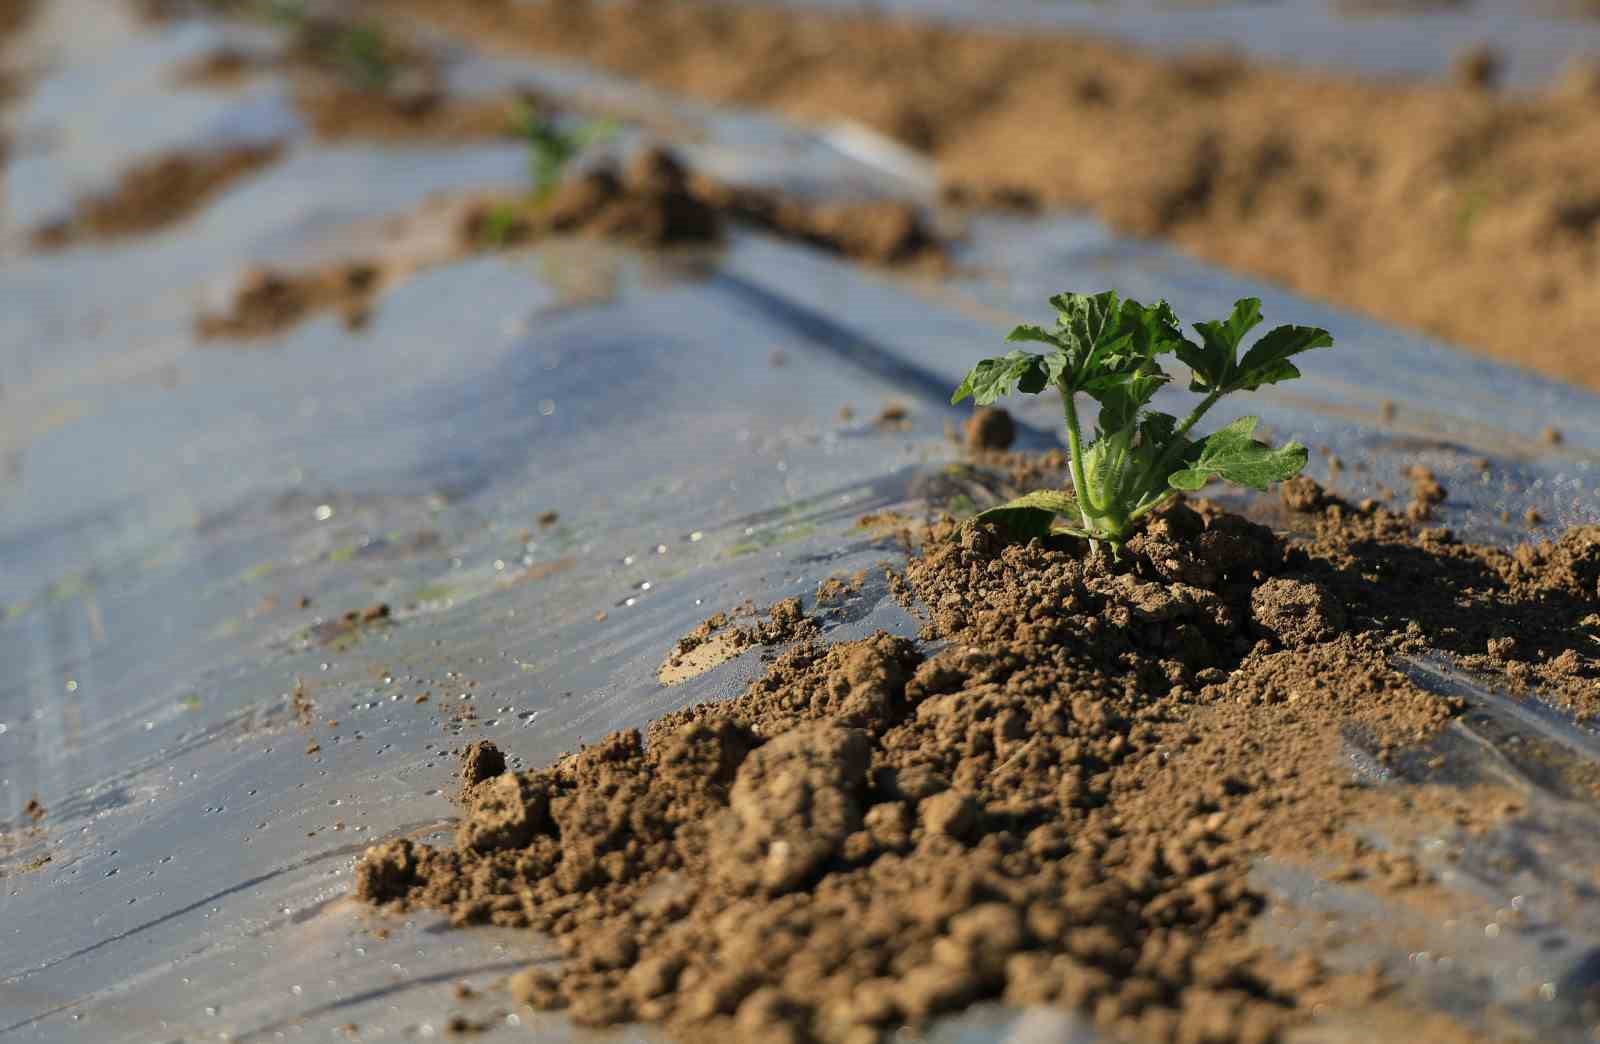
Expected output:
(500, 225)
(1108, 349)
(551, 146)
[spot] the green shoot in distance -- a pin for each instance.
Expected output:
(1108, 349)
(551, 147)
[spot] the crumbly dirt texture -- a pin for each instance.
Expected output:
(1059, 805)
(156, 194)
(1464, 212)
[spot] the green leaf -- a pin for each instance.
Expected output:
(1267, 360)
(1030, 515)
(1216, 364)
(1213, 360)
(1030, 332)
(994, 378)
(1087, 322)
(1232, 454)
(1122, 396)
(1155, 328)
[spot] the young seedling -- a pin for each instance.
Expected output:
(500, 225)
(1108, 349)
(551, 147)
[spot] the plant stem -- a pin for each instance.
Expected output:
(1162, 501)
(1195, 415)
(1178, 433)
(1075, 443)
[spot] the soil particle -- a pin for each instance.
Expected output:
(1426, 493)
(480, 761)
(1551, 436)
(547, 519)
(34, 810)
(156, 194)
(1274, 171)
(989, 428)
(1062, 804)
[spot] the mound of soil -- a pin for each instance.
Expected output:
(657, 201)
(156, 194)
(339, 113)
(1060, 805)
(654, 202)
(1464, 212)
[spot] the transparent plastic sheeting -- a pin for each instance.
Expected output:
(163, 503)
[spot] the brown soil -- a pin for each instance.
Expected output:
(34, 810)
(156, 194)
(14, 16)
(837, 589)
(267, 301)
(221, 69)
(339, 113)
(1462, 212)
(655, 202)
(1060, 805)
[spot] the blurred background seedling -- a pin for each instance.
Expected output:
(553, 146)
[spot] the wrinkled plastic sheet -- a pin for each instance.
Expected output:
(164, 503)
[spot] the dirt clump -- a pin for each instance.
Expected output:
(1061, 804)
(1426, 494)
(34, 810)
(156, 194)
(647, 204)
(837, 589)
(346, 628)
(989, 428)
(1278, 172)
(481, 761)
(1296, 612)
(267, 301)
